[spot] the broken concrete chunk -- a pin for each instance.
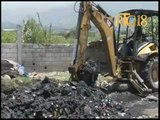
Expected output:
(152, 98)
(87, 110)
(6, 77)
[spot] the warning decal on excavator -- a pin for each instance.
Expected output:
(109, 23)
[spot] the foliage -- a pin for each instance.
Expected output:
(8, 36)
(32, 32)
(148, 28)
(36, 33)
(18, 82)
(94, 36)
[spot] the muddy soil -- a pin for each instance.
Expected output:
(138, 107)
(49, 99)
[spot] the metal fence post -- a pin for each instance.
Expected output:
(19, 44)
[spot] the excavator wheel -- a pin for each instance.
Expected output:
(150, 74)
(88, 73)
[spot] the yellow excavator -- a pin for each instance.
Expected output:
(131, 56)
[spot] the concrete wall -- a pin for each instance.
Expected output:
(45, 58)
(9, 51)
(36, 57)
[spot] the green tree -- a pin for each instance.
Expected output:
(32, 32)
(148, 27)
(8, 36)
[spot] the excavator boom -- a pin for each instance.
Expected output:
(104, 22)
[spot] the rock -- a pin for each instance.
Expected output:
(87, 110)
(139, 117)
(13, 97)
(121, 114)
(6, 77)
(118, 107)
(118, 86)
(66, 90)
(97, 117)
(45, 79)
(152, 98)
(73, 87)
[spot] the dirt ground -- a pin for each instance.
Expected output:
(139, 107)
(47, 97)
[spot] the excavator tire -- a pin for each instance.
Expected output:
(150, 73)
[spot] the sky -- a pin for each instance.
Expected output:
(17, 11)
(29, 7)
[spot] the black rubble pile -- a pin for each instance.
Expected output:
(49, 99)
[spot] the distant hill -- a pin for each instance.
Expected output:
(60, 18)
(9, 25)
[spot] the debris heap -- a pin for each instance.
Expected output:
(50, 99)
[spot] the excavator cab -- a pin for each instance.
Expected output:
(137, 48)
(139, 31)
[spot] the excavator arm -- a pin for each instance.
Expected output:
(104, 22)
